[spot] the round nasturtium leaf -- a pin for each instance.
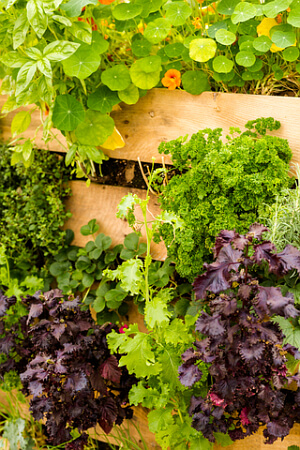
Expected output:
(126, 11)
(247, 46)
(68, 113)
(130, 95)
(221, 64)
(225, 37)
(272, 9)
(149, 6)
(99, 44)
(283, 39)
(249, 27)
(227, 7)
(82, 63)
(256, 66)
(290, 54)
(202, 50)
(262, 44)
(117, 78)
(195, 82)
(177, 12)
(246, 59)
(95, 129)
(103, 100)
(294, 17)
(141, 47)
(142, 79)
(211, 31)
(243, 12)
(150, 64)
(157, 30)
(247, 76)
(174, 50)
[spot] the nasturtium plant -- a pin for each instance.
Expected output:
(98, 54)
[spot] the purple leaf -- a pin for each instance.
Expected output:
(256, 230)
(217, 276)
(289, 259)
(57, 329)
(223, 238)
(250, 352)
(36, 310)
(6, 344)
(35, 388)
(270, 301)
(109, 412)
(75, 382)
(189, 374)
(110, 370)
(210, 325)
(3, 305)
(278, 429)
(264, 251)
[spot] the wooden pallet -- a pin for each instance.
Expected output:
(161, 116)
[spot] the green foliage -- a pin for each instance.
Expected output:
(14, 433)
(79, 58)
(32, 211)
(220, 186)
(283, 217)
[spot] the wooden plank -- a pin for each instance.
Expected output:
(163, 115)
(100, 202)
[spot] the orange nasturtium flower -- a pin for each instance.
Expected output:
(172, 79)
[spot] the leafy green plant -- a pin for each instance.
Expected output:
(220, 186)
(154, 357)
(76, 60)
(283, 217)
(32, 210)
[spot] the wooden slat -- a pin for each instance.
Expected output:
(163, 115)
(100, 202)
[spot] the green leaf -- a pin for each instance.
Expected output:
(221, 64)
(93, 153)
(293, 447)
(70, 155)
(91, 228)
(200, 442)
(223, 439)
(177, 12)
(114, 297)
(20, 29)
(160, 419)
(149, 6)
(103, 242)
(59, 268)
(103, 100)
(95, 129)
(272, 9)
(292, 333)
(156, 311)
(126, 11)
(131, 241)
(130, 95)
(44, 67)
(130, 274)
(82, 31)
(141, 78)
(225, 37)
(25, 75)
(170, 360)
(99, 44)
(82, 63)
(73, 7)
(126, 205)
(294, 17)
(117, 78)
(246, 59)
(174, 50)
(68, 113)
(262, 44)
(27, 151)
(283, 39)
(83, 263)
(99, 304)
(243, 12)
(60, 50)
(62, 20)
(177, 332)
(150, 64)
(87, 280)
(37, 16)
(290, 54)
(227, 7)
(20, 122)
(157, 30)
(202, 50)
(141, 47)
(140, 358)
(14, 59)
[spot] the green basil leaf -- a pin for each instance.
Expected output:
(73, 7)
(20, 122)
(20, 29)
(60, 50)
(37, 16)
(25, 75)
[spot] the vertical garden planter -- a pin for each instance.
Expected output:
(162, 116)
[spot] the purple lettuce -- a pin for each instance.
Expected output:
(248, 361)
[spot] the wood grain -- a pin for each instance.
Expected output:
(163, 115)
(100, 202)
